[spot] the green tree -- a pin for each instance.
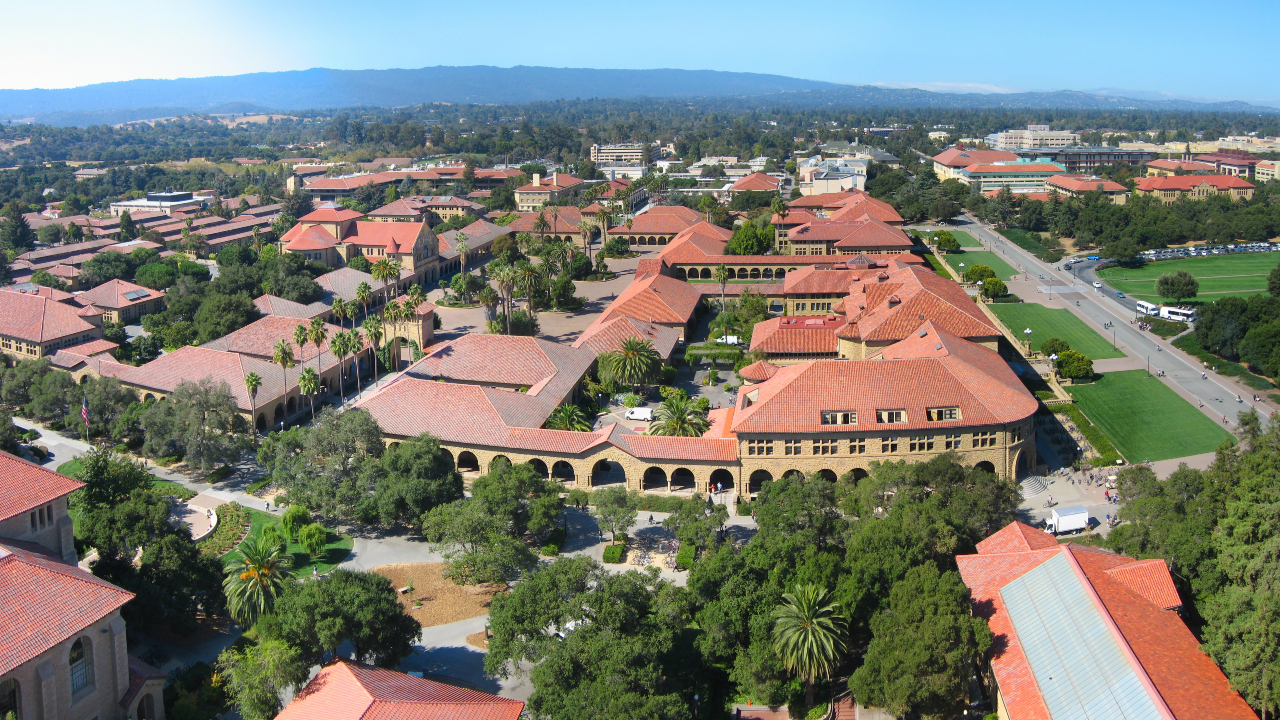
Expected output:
(994, 288)
(1273, 282)
(721, 276)
(322, 466)
(946, 242)
(253, 383)
(478, 544)
(221, 315)
(633, 364)
(680, 417)
(809, 635)
(128, 230)
(346, 606)
(978, 273)
(157, 276)
(293, 519)
(317, 333)
(1179, 285)
(568, 417)
(107, 265)
(924, 648)
(1074, 365)
(258, 575)
(521, 496)
(108, 478)
(1054, 346)
(309, 385)
(416, 476)
(201, 420)
(42, 277)
(615, 510)
(256, 676)
(312, 538)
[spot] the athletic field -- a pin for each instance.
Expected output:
(1220, 276)
(970, 258)
(1145, 419)
(1046, 323)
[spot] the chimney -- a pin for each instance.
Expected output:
(537, 179)
(555, 178)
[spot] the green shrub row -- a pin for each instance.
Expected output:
(1098, 439)
(685, 556)
(1167, 328)
(660, 503)
(614, 553)
(1191, 346)
(1010, 298)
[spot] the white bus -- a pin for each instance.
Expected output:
(1178, 314)
(1147, 308)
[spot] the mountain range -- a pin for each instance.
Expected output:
(321, 88)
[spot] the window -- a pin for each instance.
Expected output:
(800, 307)
(1015, 435)
(921, 443)
(888, 445)
(984, 439)
(839, 417)
(825, 447)
(81, 662)
(857, 446)
(792, 447)
(943, 414)
(891, 416)
(759, 447)
(952, 441)
(10, 698)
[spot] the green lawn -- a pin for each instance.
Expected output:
(965, 239)
(1220, 276)
(1046, 323)
(937, 266)
(970, 258)
(1145, 419)
(335, 551)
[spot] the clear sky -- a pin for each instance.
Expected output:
(1182, 48)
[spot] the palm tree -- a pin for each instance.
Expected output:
(283, 356)
(339, 309)
(356, 346)
(721, 275)
(364, 295)
(257, 242)
(634, 363)
(554, 255)
(317, 333)
(373, 330)
(252, 382)
(256, 579)
(678, 417)
(300, 338)
(309, 385)
(416, 294)
(604, 218)
(568, 417)
(540, 225)
(809, 634)
(339, 347)
(385, 271)
(463, 247)
(505, 278)
(528, 280)
(588, 230)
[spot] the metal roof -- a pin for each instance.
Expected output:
(1079, 666)
(1072, 510)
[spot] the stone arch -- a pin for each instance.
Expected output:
(680, 273)
(732, 273)
(655, 478)
(779, 273)
(467, 462)
(563, 471)
(755, 273)
(825, 474)
(793, 473)
(662, 241)
(758, 480)
(743, 273)
(292, 407)
(860, 474)
(84, 379)
(445, 452)
(1019, 463)
(147, 397)
(705, 274)
(494, 463)
(540, 466)
(791, 270)
(986, 465)
(723, 478)
(607, 472)
(147, 707)
(682, 479)
(261, 422)
(767, 274)
(279, 414)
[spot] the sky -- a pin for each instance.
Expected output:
(1146, 49)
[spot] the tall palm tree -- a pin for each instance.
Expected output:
(283, 356)
(373, 330)
(257, 242)
(540, 225)
(300, 338)
(505, 278)
(309, 385)
(317, 333)
(568, 417)
(605, 219)
(339, 309)
(587, 229)
(528, 280)
(252, 382)
(356, 345)
(382, 272)
(678, 417)
(721, 275)
(364, 295)
(339, 347)
(463, 247)
(256, 579)
(809, 634)
(634, 363)
(554, 255)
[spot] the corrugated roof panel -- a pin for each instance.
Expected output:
(1081, 671)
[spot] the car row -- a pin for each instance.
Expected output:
(1206, 250)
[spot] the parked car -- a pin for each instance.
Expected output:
(1093, 257)
(1119, 294)
(1097, 284)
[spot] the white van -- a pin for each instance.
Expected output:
(1147, 308)
(1178, 314)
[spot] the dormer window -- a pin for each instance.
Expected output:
(839, 417)
(944, 414)
(891, 417)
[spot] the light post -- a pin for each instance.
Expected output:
(1027, 332)
(1053, 364)
(1113, 338)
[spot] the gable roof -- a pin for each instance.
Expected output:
(609, 336)
(30, 288)
(864, 233)
(345, 690)
(961, 158)
(1189, 167)
(1015, 168)
(38, 319)
(396, 237)
(758, 182)
(890, 305)
(25, 486)
(480, 235)
(116, 294)
(1084, 183)
(561, 219)
(398, 208)
(1184, 183)
(661, 220)
(301, 238)
(758, 371)
(656, 299)
(344, 281)
(259, 337)
(272, 305)
(859, 204)
(539, 365)
(330, 213)
(797, 335)
(46, 602)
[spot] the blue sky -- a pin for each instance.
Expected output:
(1153, 48)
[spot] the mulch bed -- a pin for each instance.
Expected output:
(441, 601)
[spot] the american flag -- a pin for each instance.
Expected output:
(84, 410)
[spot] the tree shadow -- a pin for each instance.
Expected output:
(457, 663)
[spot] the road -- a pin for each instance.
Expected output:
(1214, 394)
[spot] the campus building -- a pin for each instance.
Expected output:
(1194, 187)
(539, 192)
(1019, 176)
(433, 209)
(63, 647)
(618, 153)
(344, 690)
(1157, 168)
(948, 163)
(1035, 136)
(34, 325)
(333, 235)
(657, 225)
(122, 302)
(1079, 630)
(1077, 185)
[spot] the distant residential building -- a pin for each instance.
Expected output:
(1157, 168)
(1266, 171)
(619, 153)
(937, 135)
(166, 202)
(1194, 187)
(1231, 162)
(948, 163)
(1018, 176)
(1076, 185)
(531, 197)
(1035, 136)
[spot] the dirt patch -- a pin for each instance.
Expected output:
(439, 601)
(478, 640)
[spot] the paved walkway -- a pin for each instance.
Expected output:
(198, 514)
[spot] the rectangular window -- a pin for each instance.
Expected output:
(759, 447)
(984, 439)
(33, 522)
(891, 416)
(943, 414)
(825, 447)
(839, 417)
(1015, 435)
(921, 443)
(792, 447)
(888, 445)
(952, 441)
(857, 446)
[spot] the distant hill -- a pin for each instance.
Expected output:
(321, 88)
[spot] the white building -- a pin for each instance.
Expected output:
(1035, 136)
(619, 153)
(165, 202)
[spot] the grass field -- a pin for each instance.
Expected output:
(970, 258)
(1145, 419)
(965, 239)
(1046, 323)
(1219, 275)
(335, 550)
(937, 266)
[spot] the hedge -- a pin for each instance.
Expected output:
(550, 550)
(614, 553)
(1191, 346)
(661, 503)
(685, 556)
(1098, 439)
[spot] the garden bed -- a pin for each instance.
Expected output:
(441, 601)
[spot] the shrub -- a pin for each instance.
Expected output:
(550, 550)
(233, 520)
(685, 556)
(556, 536)
(614, 553)
(1009, 298)
(660, 503)
(295, 518)
(1054, 346)
(121, 448)
(1100, 442)
(313, 538)
(631, 400)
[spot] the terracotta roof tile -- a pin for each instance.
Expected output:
(38, 319)
(561, 219)
(758, 371)
(859, 204)
(1184, 183)
(25, 486)
(657, 299)
(30, 288)
(1084, 183)
(347, 691)
(117, 294)
(757, 182)
(1014, 168)
(1016, 537)
(797, 335)
(259, 337)
(959, 158)
(1151, 580)
(607, 337)
(301, 238)
(272, 305)
(865, 234)
(661, 220)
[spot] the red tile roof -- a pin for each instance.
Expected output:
(1229, 157)
(91, 348)
(46, 602)
(347, 691)
(958, 158)
(396, 237)
(681, 448)
(350, 183)
(539, 365)
(758, 182)
(758, 371)
(859, 204)
(38, 319)
(1187, 167)
(607, 337)
(661, 220)
(29, 288)
(656, 299)
(1084, 183)
(480, 235)
(821, 201)
(301, 238)
(1156, 643)
(25, 486)
(889, 306)
(112, 295)
(344, 281)
(797, 335)
(562, 219)
(1017, 537)
(1184, 183)
(865, 233)
(695, 244)
(272, 305)
(259, 337)
(397, 209)
(551, 183)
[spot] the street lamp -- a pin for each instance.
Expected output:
(1027, 332)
